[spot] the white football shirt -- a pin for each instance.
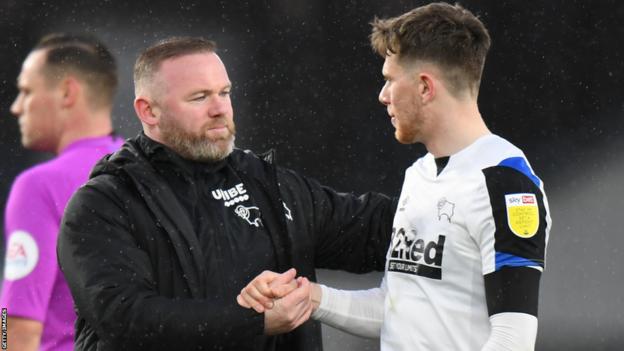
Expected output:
(483, 211)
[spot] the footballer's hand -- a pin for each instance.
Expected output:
(290, 311)
(260, 293)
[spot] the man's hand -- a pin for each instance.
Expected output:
(291, 311)
(260, 293)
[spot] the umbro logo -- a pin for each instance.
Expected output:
(403, 203)
(288, 214)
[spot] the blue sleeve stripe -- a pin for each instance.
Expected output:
(508, 260)
(519, 164)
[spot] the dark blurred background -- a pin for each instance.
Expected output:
(306, 84)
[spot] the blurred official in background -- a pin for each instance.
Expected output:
(66, 89)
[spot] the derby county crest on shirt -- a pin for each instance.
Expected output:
(522, 214)
(446, 209)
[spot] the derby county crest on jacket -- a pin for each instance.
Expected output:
(522, 214)
(251, 214)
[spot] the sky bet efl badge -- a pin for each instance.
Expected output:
(522, 214)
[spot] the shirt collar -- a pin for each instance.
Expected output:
(90, 142)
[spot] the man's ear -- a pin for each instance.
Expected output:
(146, 110)
(71, 89)
(427, 87)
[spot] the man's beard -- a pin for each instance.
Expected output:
(196, 146)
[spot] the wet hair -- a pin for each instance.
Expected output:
(85, 57)
(446, 35)
(150, 59)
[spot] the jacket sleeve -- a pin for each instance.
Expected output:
(351, 232)
(111, 278)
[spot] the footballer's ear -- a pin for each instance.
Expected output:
(427, 87)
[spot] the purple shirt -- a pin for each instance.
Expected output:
(34, 286)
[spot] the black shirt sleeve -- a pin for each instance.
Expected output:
(521, 219)
(512, 289)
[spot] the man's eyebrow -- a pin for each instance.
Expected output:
(225, 87)
(210, 91)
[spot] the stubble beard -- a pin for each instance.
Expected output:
(410, 125)
(407, 134)
(197, 146)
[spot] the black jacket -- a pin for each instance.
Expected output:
(132, 259)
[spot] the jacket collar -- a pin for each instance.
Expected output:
(161, 155)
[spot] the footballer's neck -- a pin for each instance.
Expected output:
(459, 125)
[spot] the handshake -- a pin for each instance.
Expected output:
(287, 301)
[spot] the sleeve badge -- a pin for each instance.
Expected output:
(522, 214)
(21, 256)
